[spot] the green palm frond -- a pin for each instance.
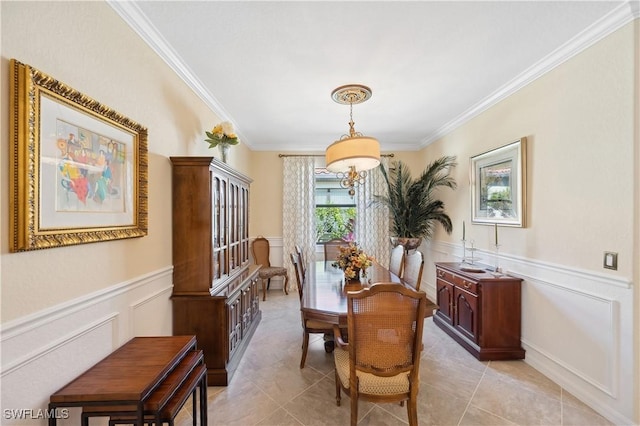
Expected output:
(413, 208)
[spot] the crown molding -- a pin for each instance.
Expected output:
(611, 22)
(384, 147)
(133, 16)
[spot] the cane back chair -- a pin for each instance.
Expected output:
(396, 260)
(412, 270)
(381, 360)
(332, 249)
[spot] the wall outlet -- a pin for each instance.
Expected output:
(610, 260)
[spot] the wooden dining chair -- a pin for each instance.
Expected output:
(381, 361)
(260, 249)
(332, 248)
(412, 270)
(308, 325)
(396, 260)
(301, 262)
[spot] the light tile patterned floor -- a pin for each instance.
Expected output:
(269, 388)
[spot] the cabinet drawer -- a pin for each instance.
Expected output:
(445, 275)
(468, 285)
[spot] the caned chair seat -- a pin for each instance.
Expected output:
(369, 383)
(260, 249)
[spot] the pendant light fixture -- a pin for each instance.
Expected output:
(352, 155)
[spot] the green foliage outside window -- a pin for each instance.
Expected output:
(334, 222)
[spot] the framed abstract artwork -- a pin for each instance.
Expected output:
(78, 169)
(498, 185)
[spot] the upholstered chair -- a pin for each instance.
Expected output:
(396, 260)
(381, 361)
(412, 269)
(260, 249)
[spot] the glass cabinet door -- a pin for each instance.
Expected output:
(216, 231)
(234, 238)
(230, 218)
(243, 226)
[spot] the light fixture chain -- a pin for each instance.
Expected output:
(352, 130)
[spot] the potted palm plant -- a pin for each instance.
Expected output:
(413, 208)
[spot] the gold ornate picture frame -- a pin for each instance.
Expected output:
(78, 169)
(498, 185)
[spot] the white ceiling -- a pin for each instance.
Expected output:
(270, 67)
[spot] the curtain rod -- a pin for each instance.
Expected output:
(322, 155)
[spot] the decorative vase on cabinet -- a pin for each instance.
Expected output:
(224, 151)
(215, 289)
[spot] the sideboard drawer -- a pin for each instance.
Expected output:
(445, 275)
(468, 285)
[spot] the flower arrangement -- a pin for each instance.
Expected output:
(222, 134)
(352, 259)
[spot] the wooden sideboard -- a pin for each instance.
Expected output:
(480, 311)
(215, 289)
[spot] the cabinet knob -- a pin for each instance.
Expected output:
(466, 284)
(441, 273)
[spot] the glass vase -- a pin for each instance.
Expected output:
(224, 151)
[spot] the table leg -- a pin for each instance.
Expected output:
(203, 401)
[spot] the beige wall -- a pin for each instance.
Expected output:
(87, 46)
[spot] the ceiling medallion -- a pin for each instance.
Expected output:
(351, 94)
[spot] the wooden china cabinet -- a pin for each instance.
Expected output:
(215, 289)
(480, 311)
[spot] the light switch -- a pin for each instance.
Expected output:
(611, 260)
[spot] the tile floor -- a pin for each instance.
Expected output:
(269, 388)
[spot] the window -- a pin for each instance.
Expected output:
(335, 208)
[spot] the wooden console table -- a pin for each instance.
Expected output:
(131, 376)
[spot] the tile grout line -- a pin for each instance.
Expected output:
(561, 405)
(466, 408)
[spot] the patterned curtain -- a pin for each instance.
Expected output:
(298, 210)
(372, 220)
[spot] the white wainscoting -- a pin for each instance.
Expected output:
(577, 326)
(45, 350)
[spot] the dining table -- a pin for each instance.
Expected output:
(325, 293)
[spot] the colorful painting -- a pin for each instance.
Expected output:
(90, 170)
